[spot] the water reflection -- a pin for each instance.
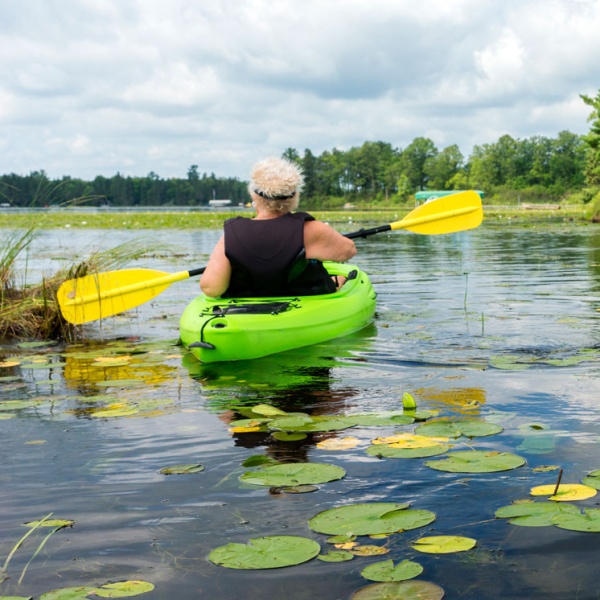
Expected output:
(497, 324)
(304, 381)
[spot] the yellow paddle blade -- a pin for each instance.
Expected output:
(448, 214)
(102, 295)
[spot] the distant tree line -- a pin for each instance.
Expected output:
(535, 168)
(36, 189)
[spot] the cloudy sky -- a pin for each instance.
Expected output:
(96, 87)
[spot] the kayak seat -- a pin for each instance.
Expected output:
(254, 308)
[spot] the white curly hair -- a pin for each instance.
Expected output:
(278, 181)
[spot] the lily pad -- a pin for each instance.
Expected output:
(266, 553)
(444, 544)
(401, 590)
(385, 451)
(55, 523)
(410, 440)
(259, 459)
(182, 469)
(533, 514)
(369, 550)
(593, 480)
(123, 589)
(9, 363)
(267, 410)
(345, 443)
(311, 424)
(294, 489)
(69, 593)
(284, 436)
(461, 427)
(387, 571)
(477, 461)
(114, 410)
(336, 556)
(566, 492)
(588, 521)
(380, 419)
(290, 474)
(369, 519)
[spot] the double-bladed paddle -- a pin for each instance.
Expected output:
(101, 295)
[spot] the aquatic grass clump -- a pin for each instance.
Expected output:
(32, 311)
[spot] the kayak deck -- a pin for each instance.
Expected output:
(218, 329)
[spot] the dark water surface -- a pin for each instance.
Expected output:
(498, 323)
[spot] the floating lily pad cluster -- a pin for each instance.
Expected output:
(344, 525)
(515, 362)
(555, 512)
(129, 368)
(294, 426)
(437, 437)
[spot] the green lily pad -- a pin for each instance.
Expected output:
(369, 519)
(290, 474)
(311, 424)
(534, 514)
(592, 480)
(380, 420)
(444, 544)
(28, 345)
(461, 427)
(401, 590)
(55, 523)
(335, 556)
(244, 423)
(69, 593)
(267, 410)
(387, 571)
(123, 589)
(8, 405)
(259, 459)
(284, 436)
(477, 461)
(266, 553)
(509, 363)
(588, 521)
(294, 489)
(386, 451)
(182, 469)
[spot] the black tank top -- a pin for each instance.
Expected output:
(268, 258)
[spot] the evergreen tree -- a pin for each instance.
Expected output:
(592, 139)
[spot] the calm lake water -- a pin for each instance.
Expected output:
(499, 323)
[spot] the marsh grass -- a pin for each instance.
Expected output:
(31, 311)
(344, 220)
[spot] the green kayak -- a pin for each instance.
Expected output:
(217, 329)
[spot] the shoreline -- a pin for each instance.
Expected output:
(165, 219)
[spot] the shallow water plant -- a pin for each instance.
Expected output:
(31, 311)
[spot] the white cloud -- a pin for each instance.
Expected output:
(99, 86)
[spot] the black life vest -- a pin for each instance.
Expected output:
(268, 258)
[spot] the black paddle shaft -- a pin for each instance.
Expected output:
(195, 272)
(363, 233)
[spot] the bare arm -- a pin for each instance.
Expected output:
(324, 243)
(215, 279)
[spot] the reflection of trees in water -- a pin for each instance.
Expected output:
(312, 393)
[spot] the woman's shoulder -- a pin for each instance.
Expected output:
(302, 216)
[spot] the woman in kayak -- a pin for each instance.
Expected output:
(278, 252)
